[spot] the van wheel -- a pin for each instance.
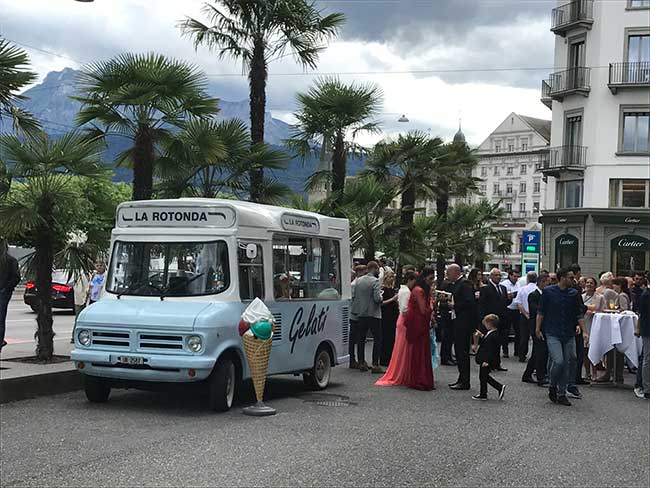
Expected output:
(318, 377)
(97, 389)
(221, 386)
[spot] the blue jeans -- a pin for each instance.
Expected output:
(562, 360)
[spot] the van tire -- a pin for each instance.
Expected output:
(97, 389)
(222, 384)
(318, 377)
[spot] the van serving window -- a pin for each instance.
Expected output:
(251, 271)
(306, 268)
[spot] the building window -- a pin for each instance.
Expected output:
(536, 186)
(524, 146)
(496, 171)
(629, 193)
(635, 133)
(495, 189)
(509, 171)
(509, 207)
(522, 207)
(638, 3)
(483, 189)
(535, 207)
(509, 188)
(483, 171)
(497, 147)
(569, 194)
(511, 145)
(522, 169)
(522, 187)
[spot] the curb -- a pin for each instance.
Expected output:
(33, 386)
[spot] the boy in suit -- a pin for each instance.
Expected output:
(487, 358)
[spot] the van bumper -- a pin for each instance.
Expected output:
(157, 368)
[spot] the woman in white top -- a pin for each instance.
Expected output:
(594, 302)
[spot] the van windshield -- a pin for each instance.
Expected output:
(169, 268)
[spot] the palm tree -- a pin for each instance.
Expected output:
(258, 32)
(328, 112)
(208, 159)
(142, 97)
(412, 160)
(40, 208)
(15, 75)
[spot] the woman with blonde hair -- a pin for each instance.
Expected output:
(389, 314)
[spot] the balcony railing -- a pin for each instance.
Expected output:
(546, 93)
(563, 158)
(579, 13)
(628, 75)
(573, 80)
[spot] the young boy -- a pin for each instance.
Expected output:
(487, 358)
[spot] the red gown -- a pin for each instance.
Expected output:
(418, 320)
(399, 367)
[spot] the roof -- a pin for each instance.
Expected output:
(541, 126)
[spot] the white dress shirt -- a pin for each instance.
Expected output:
(403, 296)
(522, 296)
(511, 288)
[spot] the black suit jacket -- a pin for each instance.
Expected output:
(534, 298)
(491, 302)
(488, 351)
(465, 304)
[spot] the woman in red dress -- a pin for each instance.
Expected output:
(418, 322)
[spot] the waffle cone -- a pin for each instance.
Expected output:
(257, 353)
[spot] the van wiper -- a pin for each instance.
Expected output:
(129, 288)
(178, 285)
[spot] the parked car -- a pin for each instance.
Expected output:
(62, 292)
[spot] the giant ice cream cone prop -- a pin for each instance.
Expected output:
(257, 353)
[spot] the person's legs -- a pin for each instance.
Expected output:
(462, 339)
(569, 353)
(361, 339)
(532, 361)
(375, 327)
(646, 365)
(541, 364)
(556, 362)
(387, 341)
(580, 358)
(492, 382)
(483, 376)
(4, 305)
(502, 330)
(447, 340)
(639, 373)
(523, 337)
(514, 322)
(352, 340)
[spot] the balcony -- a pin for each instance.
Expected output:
(629, 75)
(579, 13)
(569, 82)
(546, 94)
(563, 158)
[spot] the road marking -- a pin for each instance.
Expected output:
(21, 320)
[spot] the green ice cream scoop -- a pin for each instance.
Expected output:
(262, 329)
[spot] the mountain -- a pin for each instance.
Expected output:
(50, 102)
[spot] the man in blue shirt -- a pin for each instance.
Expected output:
(559, 319)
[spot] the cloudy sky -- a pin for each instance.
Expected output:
(435, 60)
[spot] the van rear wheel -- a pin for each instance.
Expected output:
(221, 386)
(97, 389)
(318, 377)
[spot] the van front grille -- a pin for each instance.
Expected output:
(160, 341)
(113, 339)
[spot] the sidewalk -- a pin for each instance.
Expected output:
(20, 380)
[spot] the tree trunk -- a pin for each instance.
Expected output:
(406, 221)
(257, 84)
(143, 157)
(44, 258)
(338, 170)
(442, 209)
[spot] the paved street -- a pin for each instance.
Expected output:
(21, 322)
(385, 437)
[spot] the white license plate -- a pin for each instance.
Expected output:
(134, 360)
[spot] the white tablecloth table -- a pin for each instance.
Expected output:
(609, 330)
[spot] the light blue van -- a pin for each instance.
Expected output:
(181, 272)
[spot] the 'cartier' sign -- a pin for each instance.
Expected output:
(566, 241)
(632, 220)
(633, 243)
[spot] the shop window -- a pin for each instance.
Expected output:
(306, 268)
(566, 251)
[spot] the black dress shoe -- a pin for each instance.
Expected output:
(452, 384)
(563, 400)
(528, 380)
(501, 369)
(459, 387)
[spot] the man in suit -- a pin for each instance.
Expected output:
(9, 278)
(366, 306)
(445, 327)
(487, 358)
(539, 356)
(512, 286)
(353, 340)
(464, 311)
(494, 300)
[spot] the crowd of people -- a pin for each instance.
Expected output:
(475, 315)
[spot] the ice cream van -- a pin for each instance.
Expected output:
(180, 274)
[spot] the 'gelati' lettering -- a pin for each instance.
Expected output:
(314, 325)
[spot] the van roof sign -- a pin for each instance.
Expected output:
(300, 223)
(175, 216)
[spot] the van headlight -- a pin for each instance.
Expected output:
(84, 337)
(194, 343)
